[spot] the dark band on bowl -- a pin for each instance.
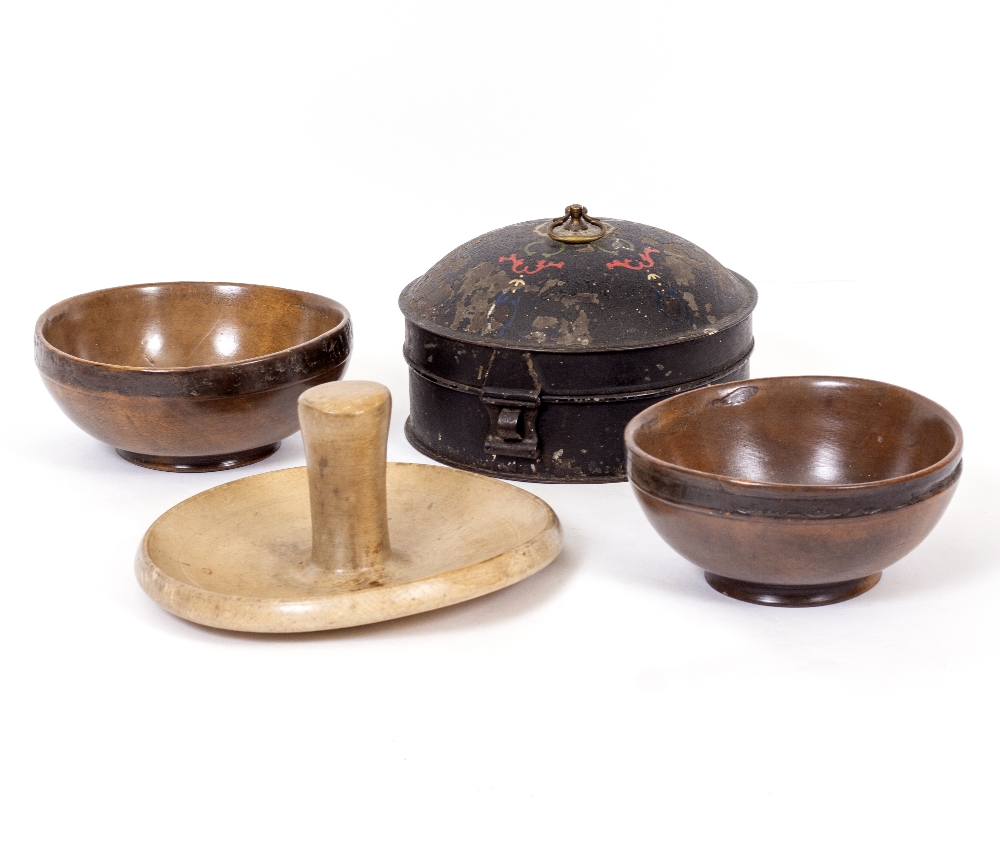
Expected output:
(209, 381)
(787, 501)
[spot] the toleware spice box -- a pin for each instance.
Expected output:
(532, 346)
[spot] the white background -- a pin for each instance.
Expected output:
(842, 156)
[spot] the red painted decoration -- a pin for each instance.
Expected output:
(517, 265)
(646, 262)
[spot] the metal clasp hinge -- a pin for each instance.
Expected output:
(512, 422)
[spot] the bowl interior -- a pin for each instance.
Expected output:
(799, 431)
(187, 324)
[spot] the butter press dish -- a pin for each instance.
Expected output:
(794, 491)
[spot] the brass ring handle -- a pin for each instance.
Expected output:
(581, 227)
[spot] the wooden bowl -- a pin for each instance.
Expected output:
(190, 376)
(794, 491)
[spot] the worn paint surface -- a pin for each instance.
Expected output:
(636, 287)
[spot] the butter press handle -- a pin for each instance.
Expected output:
(345, 428)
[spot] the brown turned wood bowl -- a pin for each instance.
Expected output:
(794, 491)
(190, 376)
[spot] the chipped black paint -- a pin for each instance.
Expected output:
(637, 287)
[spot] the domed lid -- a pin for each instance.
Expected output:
(577, 284)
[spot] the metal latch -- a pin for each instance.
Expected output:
(512, 422)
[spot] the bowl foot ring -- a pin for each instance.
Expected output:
(814, 595)
(209, 463)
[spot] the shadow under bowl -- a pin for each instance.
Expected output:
(190, 376)
(794, 491)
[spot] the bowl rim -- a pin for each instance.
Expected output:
(732, 486)
(345, 322)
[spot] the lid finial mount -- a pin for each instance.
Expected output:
(576, 226)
